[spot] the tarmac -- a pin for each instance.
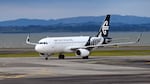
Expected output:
(73, 70)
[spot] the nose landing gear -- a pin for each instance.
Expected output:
(44, 55)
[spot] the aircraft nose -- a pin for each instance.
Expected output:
(38, 48)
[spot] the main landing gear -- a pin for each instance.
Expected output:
(61, 56)
(86, 57)
(46, 58)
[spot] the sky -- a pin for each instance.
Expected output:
(55, 9)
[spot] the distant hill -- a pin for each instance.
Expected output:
(75, 24)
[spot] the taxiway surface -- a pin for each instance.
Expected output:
(112, 69)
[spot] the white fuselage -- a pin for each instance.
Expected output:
(60, 44)
(52, 45)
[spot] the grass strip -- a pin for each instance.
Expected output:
(93, 53)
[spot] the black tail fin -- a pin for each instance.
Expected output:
(104, 29)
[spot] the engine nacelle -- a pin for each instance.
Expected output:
(82, 52)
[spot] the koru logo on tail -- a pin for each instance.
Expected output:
(105, 28)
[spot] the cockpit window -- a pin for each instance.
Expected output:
(43, 43)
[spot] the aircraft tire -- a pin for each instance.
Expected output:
(61, 57)
(46, 58)
(86, 57)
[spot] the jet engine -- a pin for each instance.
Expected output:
(82, 52)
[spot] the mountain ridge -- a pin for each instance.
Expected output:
(75, 24)
(81, 19)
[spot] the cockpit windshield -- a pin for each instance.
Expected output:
(43, 43)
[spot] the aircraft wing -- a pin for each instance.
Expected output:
(116, 44)
(110, 44)
(103, 45)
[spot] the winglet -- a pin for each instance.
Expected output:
(28, 40)
(139, 38)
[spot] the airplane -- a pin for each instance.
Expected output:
(80, 45)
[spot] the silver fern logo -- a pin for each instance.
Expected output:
(105, 27)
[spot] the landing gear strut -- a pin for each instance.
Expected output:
(86, 57)
(44, 55)
(61, 56)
